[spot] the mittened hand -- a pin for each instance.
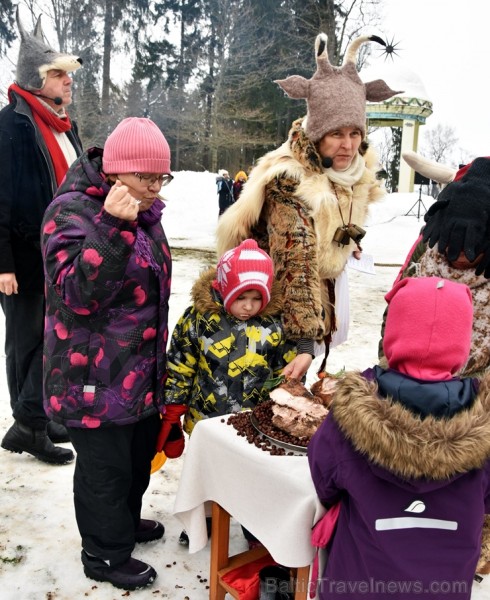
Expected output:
(171, 437)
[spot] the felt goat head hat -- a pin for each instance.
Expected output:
(336, 96)
(36, 58)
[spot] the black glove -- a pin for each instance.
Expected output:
(459, 220)
(483, 266)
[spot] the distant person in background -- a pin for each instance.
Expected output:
(224, 185)
(38, 142)
(240, 179)
(108, 268)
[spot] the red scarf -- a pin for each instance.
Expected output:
(45, 120)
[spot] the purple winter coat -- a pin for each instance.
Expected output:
(107, 292)
(413, 494)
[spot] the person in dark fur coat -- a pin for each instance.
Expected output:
(405, 450)
(306, 201)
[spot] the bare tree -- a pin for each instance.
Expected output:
(439, 143)
(7, 34)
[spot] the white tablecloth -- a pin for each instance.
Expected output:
(272, 496)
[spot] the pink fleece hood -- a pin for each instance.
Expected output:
(428, 327)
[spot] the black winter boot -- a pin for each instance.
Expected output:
(57, 433)
(131, 575)
(275, 583)
(148, 531)
(20, 438)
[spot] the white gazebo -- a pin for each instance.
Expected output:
(407, 110)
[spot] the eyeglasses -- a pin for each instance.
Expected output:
(164, 179)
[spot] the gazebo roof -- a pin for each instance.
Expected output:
(398, 76)
(412, 103)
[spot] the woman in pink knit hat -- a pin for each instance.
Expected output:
(108, 267)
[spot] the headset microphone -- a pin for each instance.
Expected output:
(57, 100)
(327, 162)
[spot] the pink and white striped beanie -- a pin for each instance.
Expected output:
(244, 268)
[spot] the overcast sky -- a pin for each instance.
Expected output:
(446, 42)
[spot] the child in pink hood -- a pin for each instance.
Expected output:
(405, 451)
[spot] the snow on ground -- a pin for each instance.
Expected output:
(39, 541)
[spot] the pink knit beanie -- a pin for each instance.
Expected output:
(244, 268)
(136, 145)
(428, 327)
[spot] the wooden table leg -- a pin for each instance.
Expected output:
(220, 541)
(302, 579)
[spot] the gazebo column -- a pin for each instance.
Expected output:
(407, 113)
(410, 139)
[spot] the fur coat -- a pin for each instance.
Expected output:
(292, 207)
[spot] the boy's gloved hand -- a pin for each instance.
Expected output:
(171, 437)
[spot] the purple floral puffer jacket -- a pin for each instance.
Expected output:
(107, 292)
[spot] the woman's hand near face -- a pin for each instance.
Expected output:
(119, 203)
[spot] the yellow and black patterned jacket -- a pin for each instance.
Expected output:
(218, 364)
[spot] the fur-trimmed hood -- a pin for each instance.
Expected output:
(400, 443)
(207, 299)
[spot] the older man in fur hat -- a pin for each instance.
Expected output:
(38, 142)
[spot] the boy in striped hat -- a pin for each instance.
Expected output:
(226, 345)
(230, 340)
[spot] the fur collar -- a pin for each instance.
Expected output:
(207, 299)
(404, 444)
(299, 160)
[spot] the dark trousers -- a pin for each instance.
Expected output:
(24, 331)
(112, 472)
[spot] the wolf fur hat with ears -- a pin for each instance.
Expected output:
(36, 58)
(336, 96)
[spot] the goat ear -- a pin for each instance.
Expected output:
(294, 86)
(378, 90)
